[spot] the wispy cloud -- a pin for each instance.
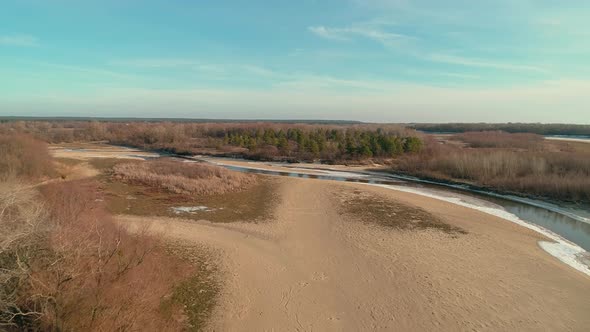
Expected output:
(155, 62)
(328, 33)
(212, 68)
(469, 62)
(368, 30)
(20, 40)
(93, 72)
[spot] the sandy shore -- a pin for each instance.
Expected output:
(85, 151)
(313, 269)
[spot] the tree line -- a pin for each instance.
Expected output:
(324, 143)
(534, 128)
(273, 141)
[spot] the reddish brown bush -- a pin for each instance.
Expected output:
(70, 267)
(21, 156)
(185, 178)
(555, 174)
(101, 277)
(500, 139)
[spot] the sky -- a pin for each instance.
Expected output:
(368, 60)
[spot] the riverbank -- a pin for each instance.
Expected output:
(527, 214)
(316, 267)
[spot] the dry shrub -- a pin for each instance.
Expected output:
(22, 156)
(107, 279)
(74, 269)
(184, 178)
(22, 238)
(500, 139)
(561, 175)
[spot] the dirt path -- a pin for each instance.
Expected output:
(312, 269)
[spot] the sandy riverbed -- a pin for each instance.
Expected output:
(314, 269)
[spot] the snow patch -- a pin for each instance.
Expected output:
(191, 209)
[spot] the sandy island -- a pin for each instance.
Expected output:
(313, 268)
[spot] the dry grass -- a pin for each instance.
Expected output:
(255, 204)
(92, 274)
(553, 170)
(374, 209)
(66, 265)
(23, 157)
(500, 139)
(197, 294)
(183, 178)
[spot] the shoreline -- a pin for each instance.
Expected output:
(566, 251)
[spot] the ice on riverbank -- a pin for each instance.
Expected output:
(564, 250)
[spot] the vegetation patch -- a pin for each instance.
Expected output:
(197, 294)
(372, 208)
(500, 139)
(255, 203)
(267, 141)
(183, 178)
(25, 158)
(66, 265)
(556, 170)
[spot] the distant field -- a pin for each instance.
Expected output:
(534, 128)
(569, 139)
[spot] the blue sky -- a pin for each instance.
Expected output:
(384, 61)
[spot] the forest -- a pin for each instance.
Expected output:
(262, 141)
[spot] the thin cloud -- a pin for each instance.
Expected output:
(468, 62)
(366, 30)
(19, 40)
(197, 65)
(84, 70)
(155, 62)
(328, 33)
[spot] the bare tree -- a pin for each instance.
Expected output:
(22, 221)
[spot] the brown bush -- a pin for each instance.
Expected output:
(106, 279)
(555, 174)
(23, 235)
(21, 156)
(184, 178)
(73, 268)
(500, 139)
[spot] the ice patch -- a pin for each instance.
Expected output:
(564, 250)
(344, 174)
(190, 209)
